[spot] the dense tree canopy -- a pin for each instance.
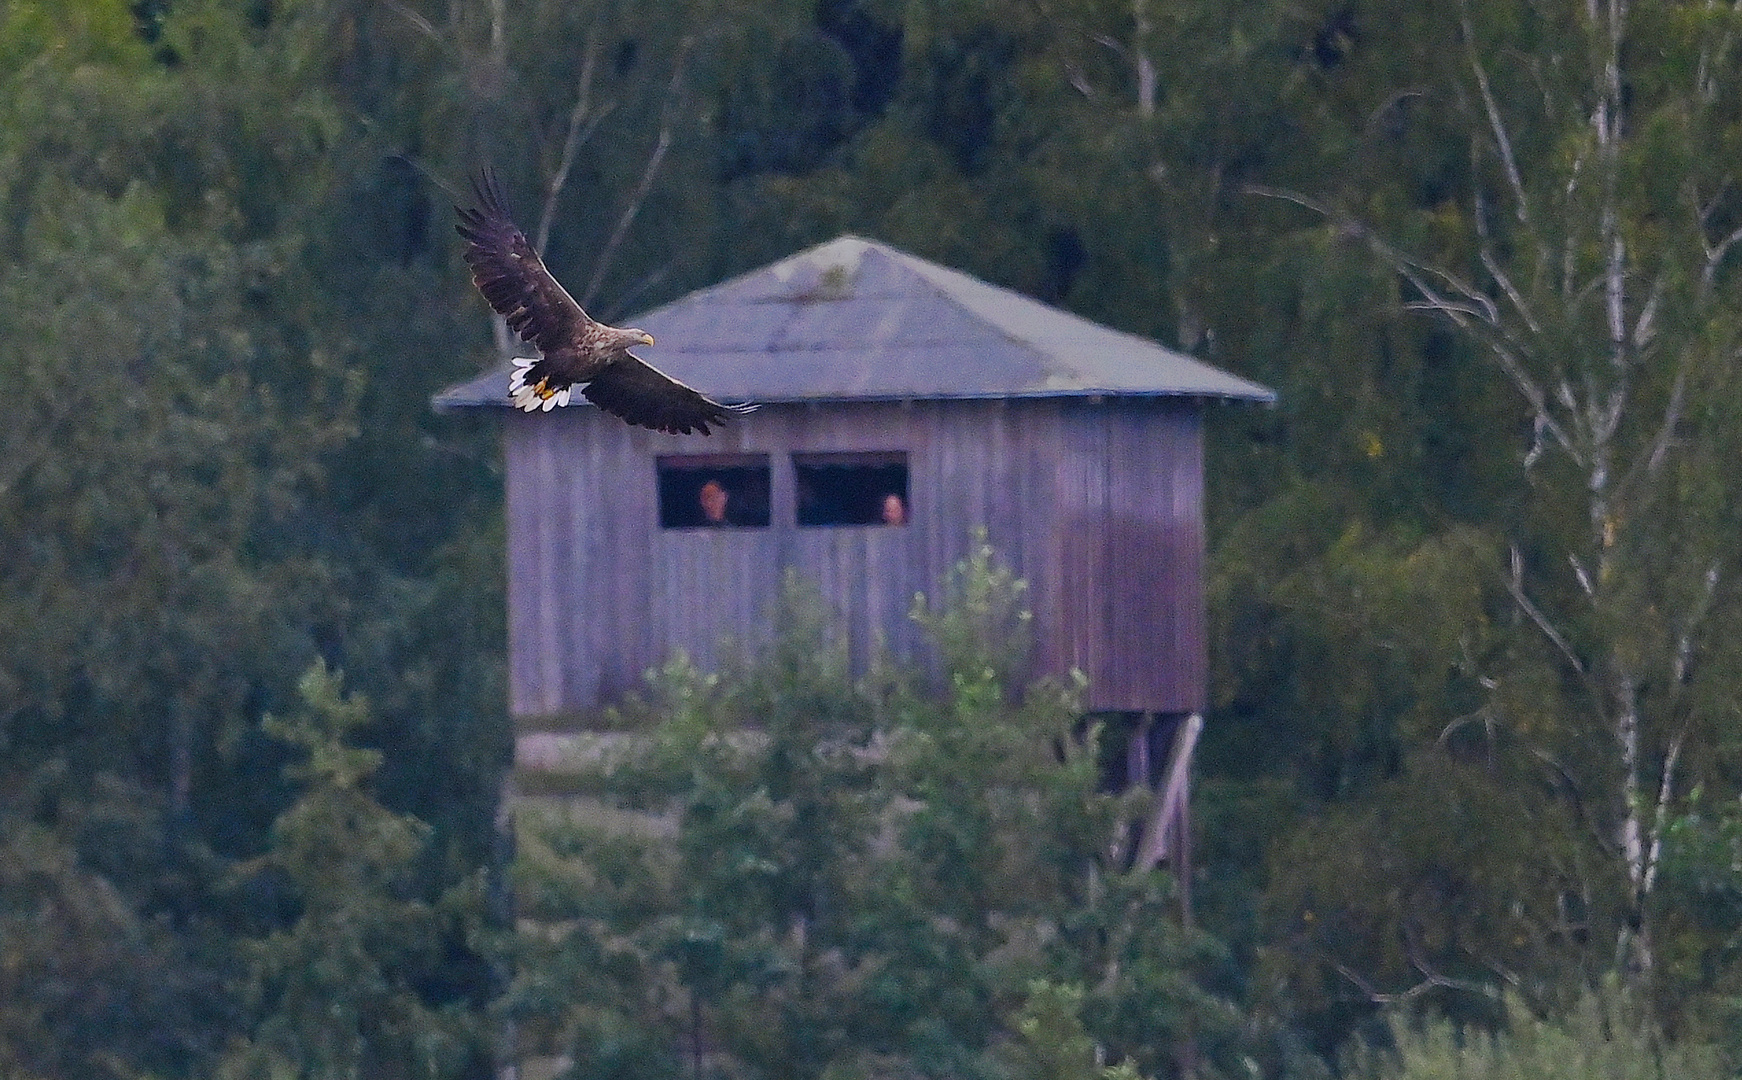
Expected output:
(1474, 590)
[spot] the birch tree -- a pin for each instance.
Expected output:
(1586, 249)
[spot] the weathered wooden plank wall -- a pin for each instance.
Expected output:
(1097, 504)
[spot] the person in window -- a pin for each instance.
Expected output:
(894, 510)
(713, 496)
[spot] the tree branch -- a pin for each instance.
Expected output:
(626, 299)
(1496, 124)
(1665, 788)
(1515, 586)
(1657, 451)
(1715, 255)
(667, 121)
(1430, 980)
(1645, 327)
(1145, 65)
(415, 18)
(582, 123)
(1505, 282)
(1468, 307)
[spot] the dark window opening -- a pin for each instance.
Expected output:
(707, 491)
(852, 489)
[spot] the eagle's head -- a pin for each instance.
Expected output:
(628, 339)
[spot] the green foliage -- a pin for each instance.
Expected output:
(337, 992)
(981, 626)
(1701, 911)
(1603, 1037)
(95, 979)
(855, 877)
(1470, 641)
(228, 288)
(183, 526)
(1051, 1042)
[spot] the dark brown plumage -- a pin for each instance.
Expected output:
(574, 350)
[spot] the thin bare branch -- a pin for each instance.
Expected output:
(1684, 648)
(1470, 310)
(1496, 124)
(582, 123)
(626, 299)
(1703, 212)
(415, 18)
(1660, 814)
(1600, 835)
(1389, 104)
(1378, 997)
(1112, 45)
(1715, 256)
(1504, 280)
(1079, 80)
(1430, 980)
(430, 176)
(1454, 309)
(498, 35)
(1472, 301)
(1515, 586)
(1483, 716)
(1586, 585)
(1501, 971)
(1650, 462)
(1645, 327)
(1539, 402)
(667, 121)
(1147, 82)
(1434, 978)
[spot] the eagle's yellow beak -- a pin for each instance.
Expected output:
(646, 339)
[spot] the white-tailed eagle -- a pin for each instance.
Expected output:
(574, 350)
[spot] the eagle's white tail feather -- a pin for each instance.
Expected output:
(527, 398)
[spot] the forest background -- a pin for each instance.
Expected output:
(1472, 746)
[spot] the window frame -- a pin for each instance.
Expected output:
(843, 507)
(679, 478)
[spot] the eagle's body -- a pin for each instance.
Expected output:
(574, 350)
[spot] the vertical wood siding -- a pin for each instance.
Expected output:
(1098, 505)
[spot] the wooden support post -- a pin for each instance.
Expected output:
(1168, 837)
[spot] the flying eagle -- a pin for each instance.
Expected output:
(574, 349)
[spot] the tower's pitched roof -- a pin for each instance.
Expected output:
(854, 319)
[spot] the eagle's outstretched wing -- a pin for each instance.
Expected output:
(575, 349)
(640, 393)
(512, 277)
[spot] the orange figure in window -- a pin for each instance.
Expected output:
(713, 497)
(894, 510)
